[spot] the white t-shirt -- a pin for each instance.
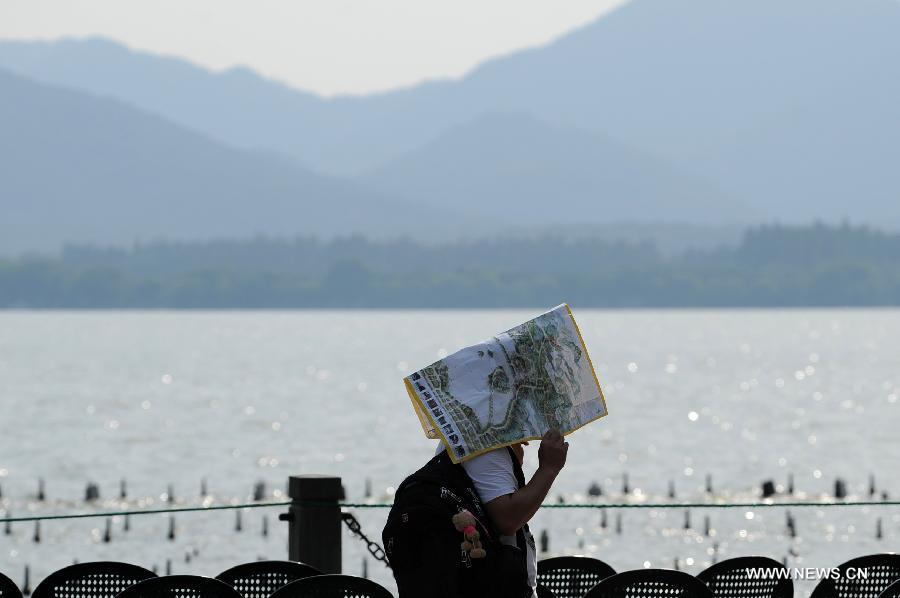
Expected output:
(493, 476)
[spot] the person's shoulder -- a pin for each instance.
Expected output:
(492, 474)
(497, 458)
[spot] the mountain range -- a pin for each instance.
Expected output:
(77, 168)
(703, 112)
(514, 168)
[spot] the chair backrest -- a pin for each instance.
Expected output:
(572, 576)
(260, 578)
(881, 570)
(332, 586)
(650, 583)
(544, 592)
(892, 591)
(731, 578)
(180, 586)
(8, 588)
(100, 579)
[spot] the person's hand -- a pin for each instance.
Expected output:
(552, 452)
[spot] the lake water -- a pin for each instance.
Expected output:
(161, 398)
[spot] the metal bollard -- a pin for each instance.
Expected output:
(314, 521)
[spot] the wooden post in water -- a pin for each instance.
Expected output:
(314, 521)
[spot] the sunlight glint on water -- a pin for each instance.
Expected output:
(161, 398)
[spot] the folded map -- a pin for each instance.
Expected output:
(510, 388)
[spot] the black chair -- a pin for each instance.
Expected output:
(8, 588)
(730, 579)
(544, 592)
(259, 579)
(100, 579)
(572, 576)
(892, 591)
(882, 570)
(332, 586)
(180, 586)
(650, 583)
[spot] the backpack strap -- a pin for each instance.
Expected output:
(521, 540)
(517, 467)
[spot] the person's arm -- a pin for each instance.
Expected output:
(511, 511)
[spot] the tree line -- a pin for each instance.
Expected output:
(814, 265)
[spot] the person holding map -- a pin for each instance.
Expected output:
(509, 501)
(484, 403)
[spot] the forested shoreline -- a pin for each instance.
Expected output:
(771, 266)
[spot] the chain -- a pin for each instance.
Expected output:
(374, 549)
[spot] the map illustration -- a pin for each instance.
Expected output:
(510, 388)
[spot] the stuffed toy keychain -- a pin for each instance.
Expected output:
(464, 522)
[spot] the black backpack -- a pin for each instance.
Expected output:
(423, 546)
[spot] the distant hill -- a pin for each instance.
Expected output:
(74, 167)
(518, 170)
(790, 106)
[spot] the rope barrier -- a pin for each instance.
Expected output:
(681, 505)
(255, 505)
(346, 505)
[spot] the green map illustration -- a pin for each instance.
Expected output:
(513, 387)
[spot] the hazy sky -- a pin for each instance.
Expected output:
(327, 46)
